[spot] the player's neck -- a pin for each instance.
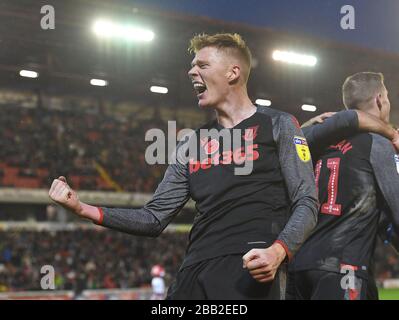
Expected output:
(234, 110)
(371, 108)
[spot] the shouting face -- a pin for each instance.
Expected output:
(210, 75)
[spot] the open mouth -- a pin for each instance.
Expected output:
(199, 88)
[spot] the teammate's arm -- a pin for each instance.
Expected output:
(318, 119)
(330, 128)
(169, 198)
(296, 166)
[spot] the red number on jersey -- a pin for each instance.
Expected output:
(330, 207)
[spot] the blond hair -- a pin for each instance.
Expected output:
(232, 43)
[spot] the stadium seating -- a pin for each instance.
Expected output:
(86, 259)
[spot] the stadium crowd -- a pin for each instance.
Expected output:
(386, 262)
(86, 259)
(38, 144)
(94, 259)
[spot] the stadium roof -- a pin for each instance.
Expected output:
(69, 56)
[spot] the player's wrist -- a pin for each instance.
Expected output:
(89, 212)
(79, 209)
(280, 251)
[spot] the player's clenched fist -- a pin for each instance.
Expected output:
(62, 193)
(262, 264)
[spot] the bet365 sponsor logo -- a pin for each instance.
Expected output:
(238, 157)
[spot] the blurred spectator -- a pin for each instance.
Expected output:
(51, 212)
(386, 262)
(37, 145)
(86, 259)
(94, 259)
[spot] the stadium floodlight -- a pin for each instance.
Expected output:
(109, 29)
(28, 74)
(295, 58)
(309, 107)
(263, 102)
(98, 82)
(157, 89)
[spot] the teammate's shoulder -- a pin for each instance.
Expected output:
(380, 140)
(382, 151)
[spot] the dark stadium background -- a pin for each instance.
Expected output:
(58, 124)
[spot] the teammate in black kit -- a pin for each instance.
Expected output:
(356, 178)
(337, 126)
(266, 214)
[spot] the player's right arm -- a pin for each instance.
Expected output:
(169, 198)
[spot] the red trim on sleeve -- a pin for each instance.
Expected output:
(100, 220)
(287, 251)
(295, 121)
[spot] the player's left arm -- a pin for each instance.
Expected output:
(385, 164)
(297, 169)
